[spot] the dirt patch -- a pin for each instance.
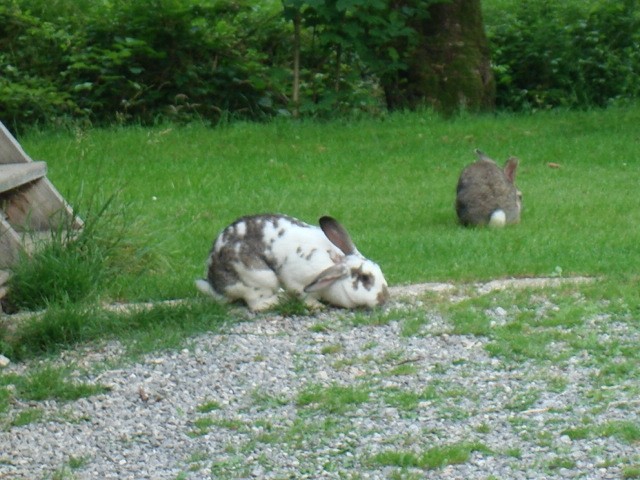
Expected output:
(415, 290)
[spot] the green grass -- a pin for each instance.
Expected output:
(160, 195)
(578, 433)
(208, 406)
(201, 426)
(333, 399)
(51, 383)
(75, 265)
(407, 400)
(436, 457)
(626, 431)
(391, 181)
(632, 471)
(331, 349)
(25, 417)
(555, 326)
(39, 383)
(560, 462)
(291, 305)
(141, 329)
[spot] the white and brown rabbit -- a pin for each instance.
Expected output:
(257, 257)
(487, 194)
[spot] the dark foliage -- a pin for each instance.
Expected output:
(181, 60)
(138, 61)
(548, 54)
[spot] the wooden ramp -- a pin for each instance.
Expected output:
(30, 207)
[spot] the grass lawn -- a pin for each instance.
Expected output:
(391, 181)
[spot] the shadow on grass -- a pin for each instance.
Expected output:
(140, 329)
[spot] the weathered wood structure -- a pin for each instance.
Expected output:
(30, 206)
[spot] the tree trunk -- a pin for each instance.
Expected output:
(450, 68)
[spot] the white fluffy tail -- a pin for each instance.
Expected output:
(205, 287)
(498, 219)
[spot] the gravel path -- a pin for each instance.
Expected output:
(248, 403)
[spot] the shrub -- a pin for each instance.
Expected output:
(179, 59)
(549, 54)
(137, 61)
(31, 51)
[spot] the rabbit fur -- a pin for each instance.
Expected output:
(257, 257)
(487, 194)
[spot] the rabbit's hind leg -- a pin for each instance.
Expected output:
(259, 289)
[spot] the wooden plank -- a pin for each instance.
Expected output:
(14, 175)
(30, 206)
(38, 206)
(10, 245)
(34, 241)
(10, 149)
(4, 278)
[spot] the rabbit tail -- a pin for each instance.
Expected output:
(498, 218)
(205, 288)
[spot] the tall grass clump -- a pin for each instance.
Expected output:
(72, 264)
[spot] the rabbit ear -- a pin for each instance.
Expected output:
(338, 235)
(510, 169)
(482, 155)
(328, 277)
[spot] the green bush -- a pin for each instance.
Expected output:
(31, 51)
(138, 62)
(568, 54)
(178, 59)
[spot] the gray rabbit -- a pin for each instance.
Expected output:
(487, 194)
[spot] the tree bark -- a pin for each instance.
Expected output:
(450, 68)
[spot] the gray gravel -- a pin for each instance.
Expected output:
(153, 423)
